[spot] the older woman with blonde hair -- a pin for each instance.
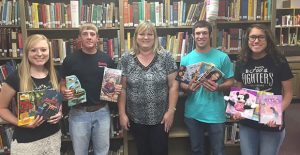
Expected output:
(36, 72)
(149, 91)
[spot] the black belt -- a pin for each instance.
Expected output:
(89, 108)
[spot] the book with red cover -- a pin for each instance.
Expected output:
(45, 103)
(111, 78)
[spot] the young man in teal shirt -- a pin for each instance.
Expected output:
(205, 106)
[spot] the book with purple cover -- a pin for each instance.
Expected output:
(270, 109)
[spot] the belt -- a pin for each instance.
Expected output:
(91, 108)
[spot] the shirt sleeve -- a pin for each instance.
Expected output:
(65, 67)
(123, 64)
(286, 72)
(13, 80)
(237, 72)
(227, 68)
(171, 65)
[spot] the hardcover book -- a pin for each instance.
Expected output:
(26, 107)
(111, 80)
(199, 72)
(242, 101)
(50, 104)
(73, 83)
(45, 103)
(270, 109)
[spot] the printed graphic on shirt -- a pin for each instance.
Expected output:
(102, 64)
(258, 77)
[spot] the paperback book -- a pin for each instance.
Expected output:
(270, 109)
(73, 84)
(199, 72)
(242, 101)
(111, 80)
(45, 103)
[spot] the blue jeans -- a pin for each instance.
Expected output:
(86, 125)
(197, 131)
(257, 142)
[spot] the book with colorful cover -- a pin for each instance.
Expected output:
(256, 113)
(199, 72)
(242, 101)
(111, 79)
(271, 109)
(26, 107)
(73, 83)
(50, 104)
(45, 103)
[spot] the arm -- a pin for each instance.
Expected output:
(67, 94)
(124, 121)
(7, 93)
(173, 96)
(287, 93)
(213, 86)
(191, 87)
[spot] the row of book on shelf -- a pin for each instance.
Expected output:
(179, 44)
(9, 12)
(235, 10)
(62, 48)
(288, 20)
(11, 42)
(62, 15)
(255, 105)
(289, 37)
(176, 13)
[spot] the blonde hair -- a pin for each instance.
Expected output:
(88, 26)
(26, 82)
(148, 27)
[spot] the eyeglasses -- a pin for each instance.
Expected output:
(254, 37)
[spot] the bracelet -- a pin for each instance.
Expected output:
(174, 109)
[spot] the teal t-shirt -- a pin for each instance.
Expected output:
(204, 105)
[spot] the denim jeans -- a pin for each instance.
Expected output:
(197, 131)
(257, 142)
(84, 126)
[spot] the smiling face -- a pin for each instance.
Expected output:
(257, 42)
(202, 38)
(38, 54)
(145, 40)
(89, 39)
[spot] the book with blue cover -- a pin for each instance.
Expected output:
(73, 84)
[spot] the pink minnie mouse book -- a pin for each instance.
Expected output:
(111, 80)
(242, 101)
(271, 109)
